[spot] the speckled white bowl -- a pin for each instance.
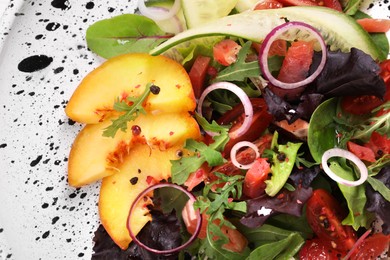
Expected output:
(41, 217)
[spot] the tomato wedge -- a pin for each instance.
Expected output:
(324, 215)
(372, 247)
(225, 52)
(372, 25)
(379, 144)
(235, 116)
(198, 74)
(317, 249)
(360, 105)
(254, 182)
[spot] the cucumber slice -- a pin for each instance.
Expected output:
(339, 31)
(198, 12)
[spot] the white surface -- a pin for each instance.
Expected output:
(41, 217)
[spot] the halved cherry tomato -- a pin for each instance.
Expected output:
(360, 105)
(254, 182)
(235, 116)
(296, 63)
(237, 241)
(198, 74)
(225, 52)
(324, 215)
(372, 25)
(362, 152)
(318, 250)
(268, 4)
(372, 247)
(379, 144)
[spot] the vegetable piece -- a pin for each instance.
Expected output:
(337, 152)
(267, 4)
(363, 153)
(198, 74)
(112, 37)
(324, 215)
(373, 247)
(378, 143)
(316, 249)
(254, 182)
(238, 146)
(260, 122)
(225, 52)
(156, 14)
(142, 196)
(360, 105)
(374, 25)
(297, 62)
(296, 31)
(243, 98)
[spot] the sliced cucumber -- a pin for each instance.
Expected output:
(338, 30)
(198, 12)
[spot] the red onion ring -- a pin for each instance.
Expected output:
(248, 109)
(169, 251)
(337, 152)
(157, 14)
(272, 36)
(237, 147)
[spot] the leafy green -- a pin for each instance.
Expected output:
(350, 7)
(356, 198)
(132, 106)
(211, 154)
(170, 199)
(292, 223)
(380, 187)
(124, 34)
(281, 169)
(283, 249)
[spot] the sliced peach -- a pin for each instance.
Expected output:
(127, 75)
(118, 191)
(94, 156)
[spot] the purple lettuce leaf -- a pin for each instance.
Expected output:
(289, 202)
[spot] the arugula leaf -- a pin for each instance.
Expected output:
(132, 107)
(124, 34)
(282, 249)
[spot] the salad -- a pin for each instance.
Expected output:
(237, 129)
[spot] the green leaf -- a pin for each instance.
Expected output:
(240, 70)
(350, 7)
(292, 223)
(281, 169)
(282, 249)
(380, 187)
(132, 107)
(127, 33)
(182, 168)
(356, 197)
(171, 199)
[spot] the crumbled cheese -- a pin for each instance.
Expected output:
(263, 211)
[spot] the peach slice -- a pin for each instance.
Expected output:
(94, 156)
(119, 191)
(127, 75)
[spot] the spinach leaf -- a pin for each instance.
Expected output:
(124, 34)
(282, 249)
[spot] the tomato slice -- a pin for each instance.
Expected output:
(268, 4)
(254, 182)
(198, 74)
(324, 215)
(235, 116)
(372, 25)
(360, 105)
(296, 63)
(225, 52)
(278, 47)
(372, 247)
(362, 152)
(318, 250)
(333, 4)
(379, 144)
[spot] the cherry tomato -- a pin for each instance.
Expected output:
(318, 250)
(225, 52)
(296, 63)
(268, 4)
(235, 116)
(198, 74)
(362, 152)
(360, 105)
(372, 247)
(374, 25)
(379, 144)
(324, 215)
(254, 182)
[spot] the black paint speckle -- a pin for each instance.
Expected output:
(46, 234)
(58, 70)
(34, 63)
(52, 26)
(54, 220)
(36, 161)
(3, 145)
(61, 4)
(89, 5)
